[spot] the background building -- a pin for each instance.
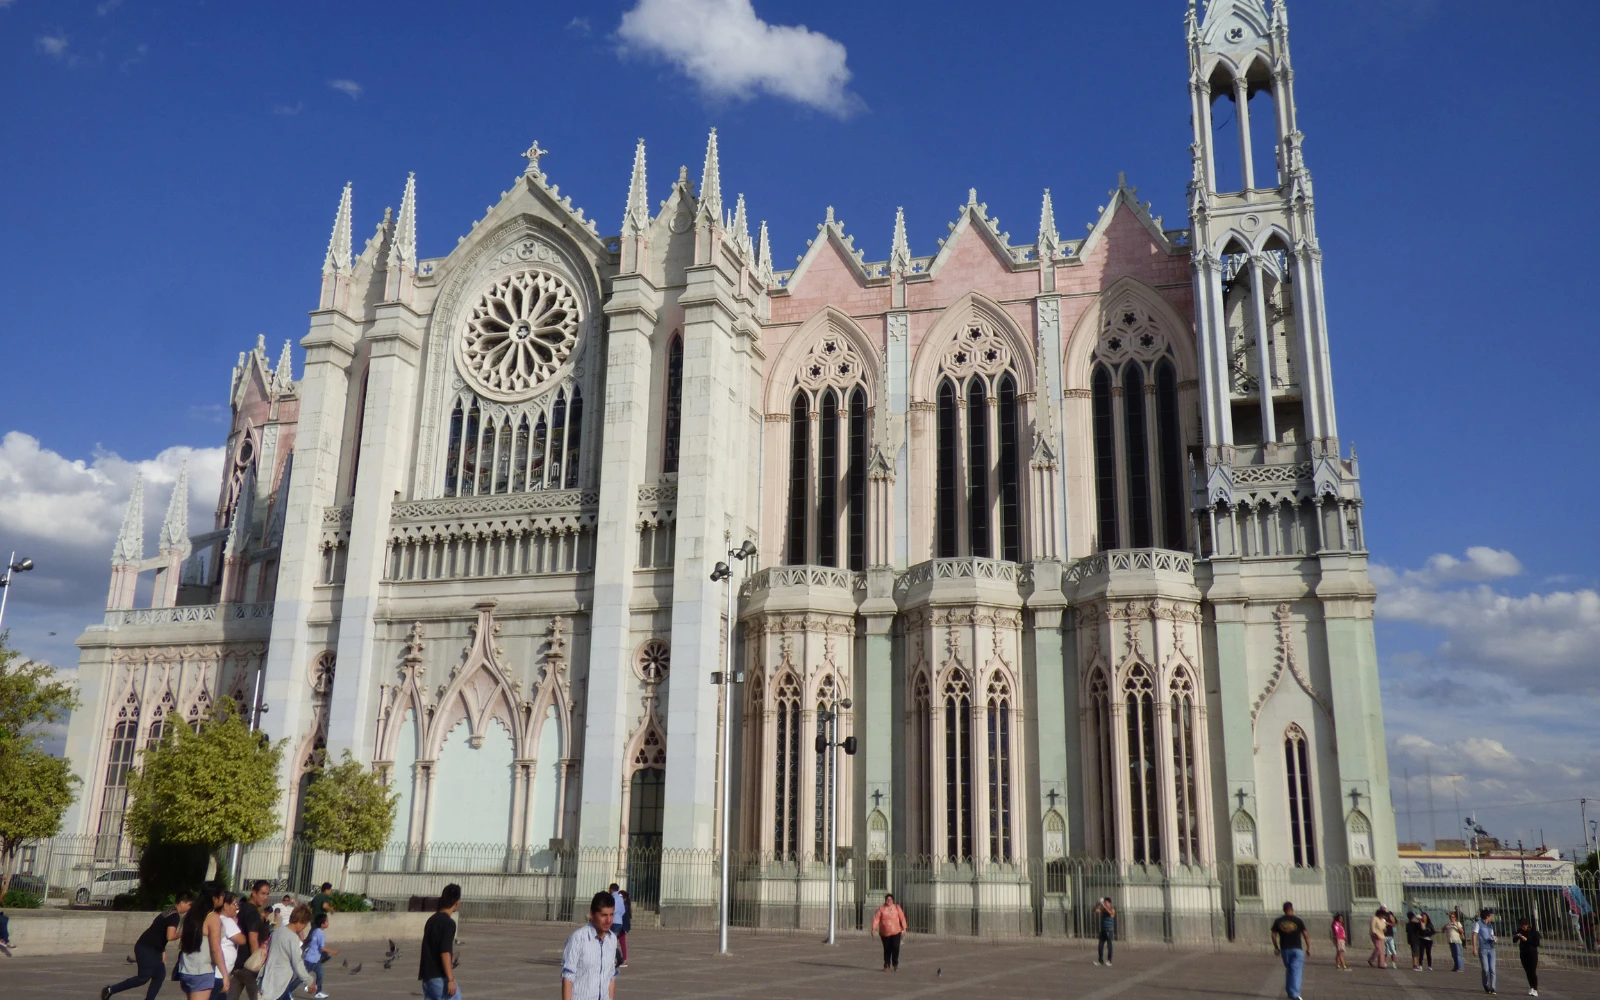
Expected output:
(1068, 522)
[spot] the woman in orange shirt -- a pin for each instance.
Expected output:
(889, 923)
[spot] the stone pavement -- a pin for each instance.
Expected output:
(501, 961)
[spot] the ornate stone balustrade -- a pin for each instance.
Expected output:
(1161, 561)
(658, 524)
(810, 577)
(513, 534)
(194, 614)
(973, 569)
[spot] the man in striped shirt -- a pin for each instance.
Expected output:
(589, 962)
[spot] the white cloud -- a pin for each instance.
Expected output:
(54, 45)
(346, 87)
(65, 514)
(726, 49)
(105, 7)
(580, 25)
(288, 111)
(1482, 563)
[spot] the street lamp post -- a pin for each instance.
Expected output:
(722, 571)
(829, 717)
(13, 567)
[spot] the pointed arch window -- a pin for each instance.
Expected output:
(114, 800)
(672, 425)
(786, 821)
(829, 427)
(1297, 768)
(493, 450)
(922, 749)
(999, 730)
(1100, 739)
(1185, 767)
(1143, 791)
(979, 426)
(958, 766)
(1138, 437)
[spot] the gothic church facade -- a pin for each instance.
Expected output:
(1067, 523)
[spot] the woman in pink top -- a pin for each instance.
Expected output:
(889, 923)
(1340, 935)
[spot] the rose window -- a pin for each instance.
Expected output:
(519, 334)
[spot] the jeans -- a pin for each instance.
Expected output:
(245, 984)
(152, 969)
(1455, 957)
(1106, 946)
(891, 950)
(1294, 965)
(315, 968)
(1425, 953)
(433, 989)
(1486, 961)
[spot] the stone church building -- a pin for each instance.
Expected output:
(1066, 522)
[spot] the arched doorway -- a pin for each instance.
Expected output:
(645, 807)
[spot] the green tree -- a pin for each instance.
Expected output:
(196, 792)
(35, 788)
(348, 810)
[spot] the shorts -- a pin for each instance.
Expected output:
(194, 982)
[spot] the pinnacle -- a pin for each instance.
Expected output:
(899, 248)
(285, 370)
(340, 248)
(637, 214)
(1049, 238)
(403, 250)
(130, 541)
(711, 180)
(741, 227)
(764, 256)
(175, 529)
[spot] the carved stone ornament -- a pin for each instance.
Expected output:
(978, 348)
(830, 362)
(521, 331)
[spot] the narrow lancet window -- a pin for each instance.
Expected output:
(948, 450)
(1105, 457)
(799, 459)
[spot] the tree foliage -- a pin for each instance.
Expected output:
(348, 810)
(208, 788)
(35, 788)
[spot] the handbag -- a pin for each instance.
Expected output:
(257, 959)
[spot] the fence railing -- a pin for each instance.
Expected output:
(1221, 905)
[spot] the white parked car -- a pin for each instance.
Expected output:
(107, 886)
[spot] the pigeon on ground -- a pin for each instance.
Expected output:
(390, 955)
(345, 964)
(129, 960)
(938, 973)
(356, 969)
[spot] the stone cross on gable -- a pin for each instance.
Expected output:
(1355, 798)
(877, 797)
(532, 155)
(1241, 795)
(1052, 795)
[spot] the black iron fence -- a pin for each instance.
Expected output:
(1221, 905)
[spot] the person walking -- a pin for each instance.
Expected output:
(278, 916)
(1292, 941)
(889, 923)
(246, 984)
(619, 922)
(1389, 950)
(200, 950)
(1376, 930)
(285, 970)
(1340, 934)
(322, 902)
(1455, 933)
(437, 967)
(1107, 914)
(1425, 932)
(316, 951)
(232, 936)
(150, 951)
(1414, 939)
(1527, 939)
(1483, 939)
(589, 961)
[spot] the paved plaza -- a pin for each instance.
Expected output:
(502, 961)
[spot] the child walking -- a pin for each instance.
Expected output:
(1340, 935)
(317, 951)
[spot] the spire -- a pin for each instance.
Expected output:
(741, 228)
(130, 542)
(339, 245)
(764, 257)
(1049, 239)
(283, 375)
(899, 248)
(175, 529)
(711, 181)
(403, 248)
(637, 215)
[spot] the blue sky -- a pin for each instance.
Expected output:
(173, 169)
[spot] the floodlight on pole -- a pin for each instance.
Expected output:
(720, 572)
(13, 567)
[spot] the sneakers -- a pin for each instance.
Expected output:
(1108, 964)
(1533, 993)
(320, 996)
(1098, 962)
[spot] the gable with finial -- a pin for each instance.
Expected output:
(832, 250)
(973, 217)
(480, 689)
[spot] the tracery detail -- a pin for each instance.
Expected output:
(522, 330)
